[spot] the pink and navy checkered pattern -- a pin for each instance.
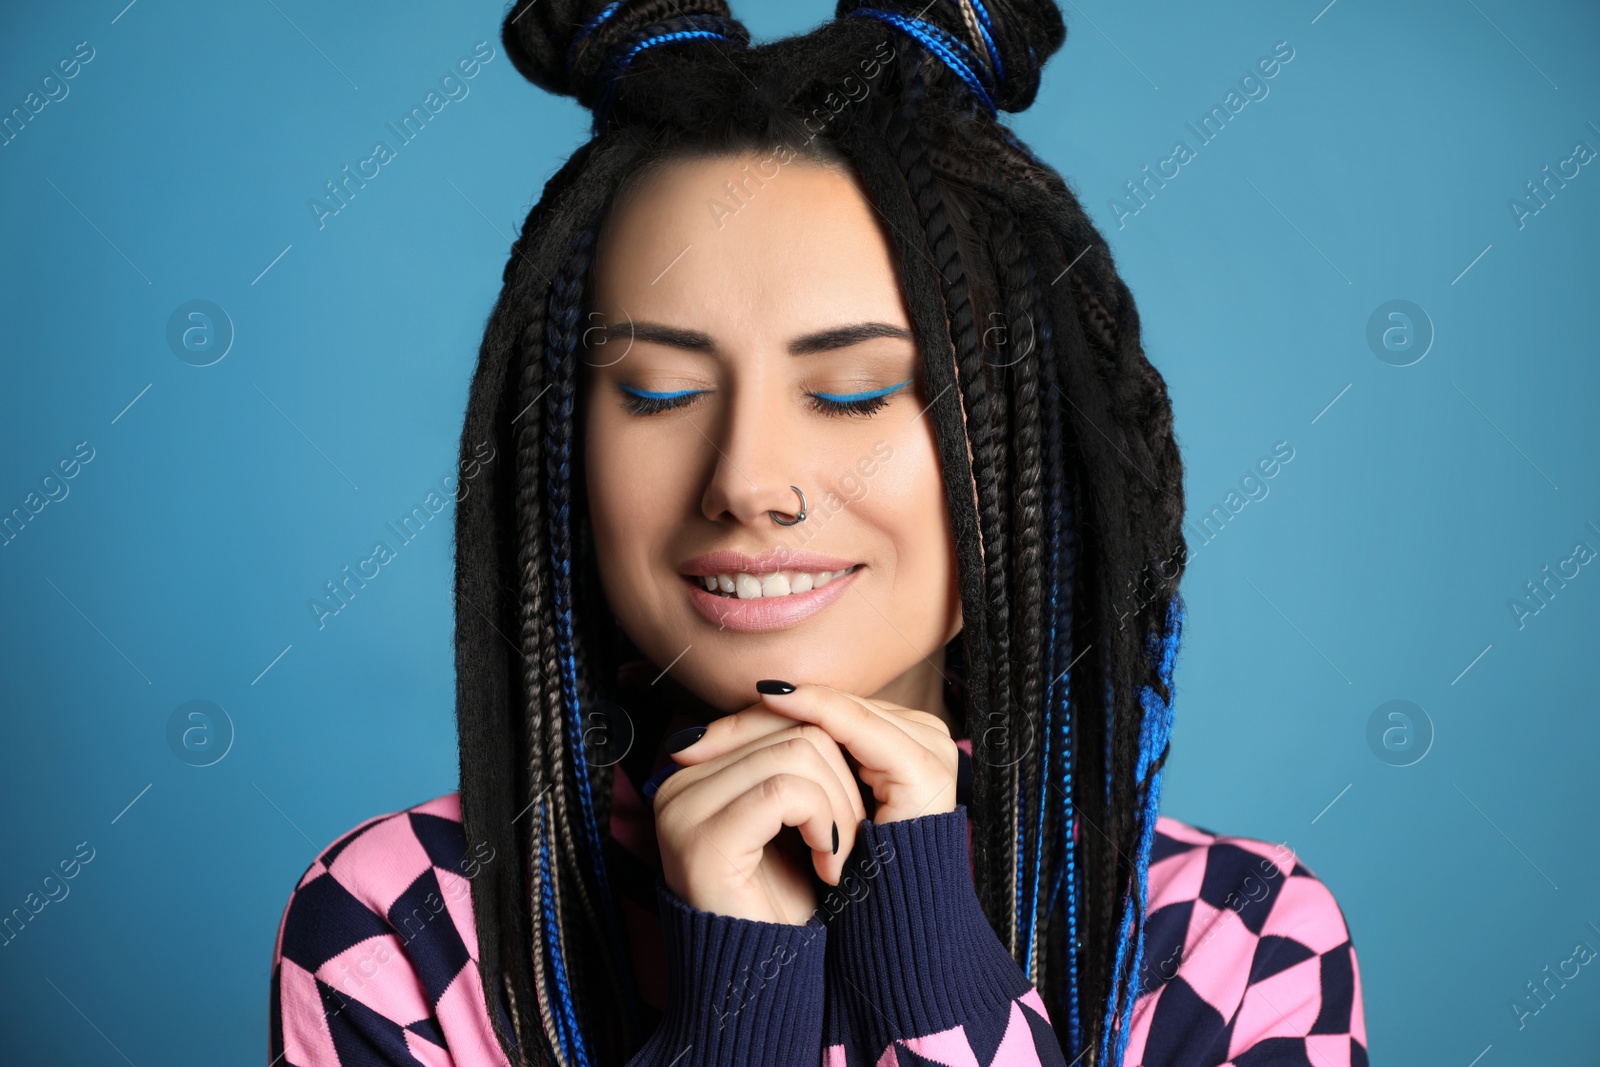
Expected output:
(374, 952)
(1247, 962)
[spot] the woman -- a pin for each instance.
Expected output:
(816, 615)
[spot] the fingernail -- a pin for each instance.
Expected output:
(835, 839)
(684, 738)
(774, 686)
(654, 781)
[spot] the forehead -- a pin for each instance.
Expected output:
(735, 243)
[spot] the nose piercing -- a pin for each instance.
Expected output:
(801, 517)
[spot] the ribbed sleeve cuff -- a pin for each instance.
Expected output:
(912, 946)
(738, 991)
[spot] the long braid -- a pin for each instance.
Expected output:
(1062, 570)
(864, 140)
(917, 173)
(1064, 567)
(566, 307)
(1081, 803)
(544, 755)
(1026, 550)
(572, 778)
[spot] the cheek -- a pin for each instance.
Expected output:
(902, 495)
(612, 496)
(636, 500)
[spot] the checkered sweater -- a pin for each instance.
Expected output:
(1247, 959)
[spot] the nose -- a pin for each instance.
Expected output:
(756, 462)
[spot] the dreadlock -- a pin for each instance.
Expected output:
(1063, 480)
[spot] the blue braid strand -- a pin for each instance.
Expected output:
(1155, 730)
(1110, 704)
(559, 454)
(558, 466)
(1109, 1041)
(552, 941)
(1054, 527)
(588, 28)
(946, 48)
(1060, 528)
(1017, 873)
(1044, 783)
(1070, 849)
(1154, 736)
(615, 68)
(986, 28)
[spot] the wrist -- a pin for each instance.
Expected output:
(907, 929)
(739, 990)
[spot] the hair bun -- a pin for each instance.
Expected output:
(577, 47)
(1009, 40)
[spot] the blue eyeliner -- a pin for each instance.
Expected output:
(648, 395)
(847, 398)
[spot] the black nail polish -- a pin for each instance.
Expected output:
(684, 738)
(653, 783)
(835, 839)
(774, 686)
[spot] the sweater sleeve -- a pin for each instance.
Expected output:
(374, 960)
(738, 991)
(1248, 960)
(912, 960)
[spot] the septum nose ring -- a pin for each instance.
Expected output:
(801, 517)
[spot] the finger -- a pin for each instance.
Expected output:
(877, 739)
(807, 749)
(926, 718)
(755, 816)
(729, 732)
(716, 784)
(848, 788)
(731, 735)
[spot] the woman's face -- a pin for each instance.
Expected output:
(734, 315)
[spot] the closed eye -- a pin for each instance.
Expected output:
(644, 402)
(866, 403)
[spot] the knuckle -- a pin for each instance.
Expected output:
(816, 736)
(784, 785)
(785, 752)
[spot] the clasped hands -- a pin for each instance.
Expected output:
(797, 759)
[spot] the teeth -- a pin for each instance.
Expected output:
(746, 586)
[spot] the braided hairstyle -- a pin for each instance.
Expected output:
(1064, 491)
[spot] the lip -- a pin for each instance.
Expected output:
(763, 614)
(725, 561)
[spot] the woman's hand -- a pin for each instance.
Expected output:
(906, 757)
(719, 820)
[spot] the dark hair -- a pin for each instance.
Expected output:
(1066, 517)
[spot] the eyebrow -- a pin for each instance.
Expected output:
(828, 340)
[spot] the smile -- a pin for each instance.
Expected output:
(741, 585)
(750, 603)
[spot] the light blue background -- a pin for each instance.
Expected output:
(1419, 501)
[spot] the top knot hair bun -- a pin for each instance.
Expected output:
(583, 48)
(998, 47)
(579, 48)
